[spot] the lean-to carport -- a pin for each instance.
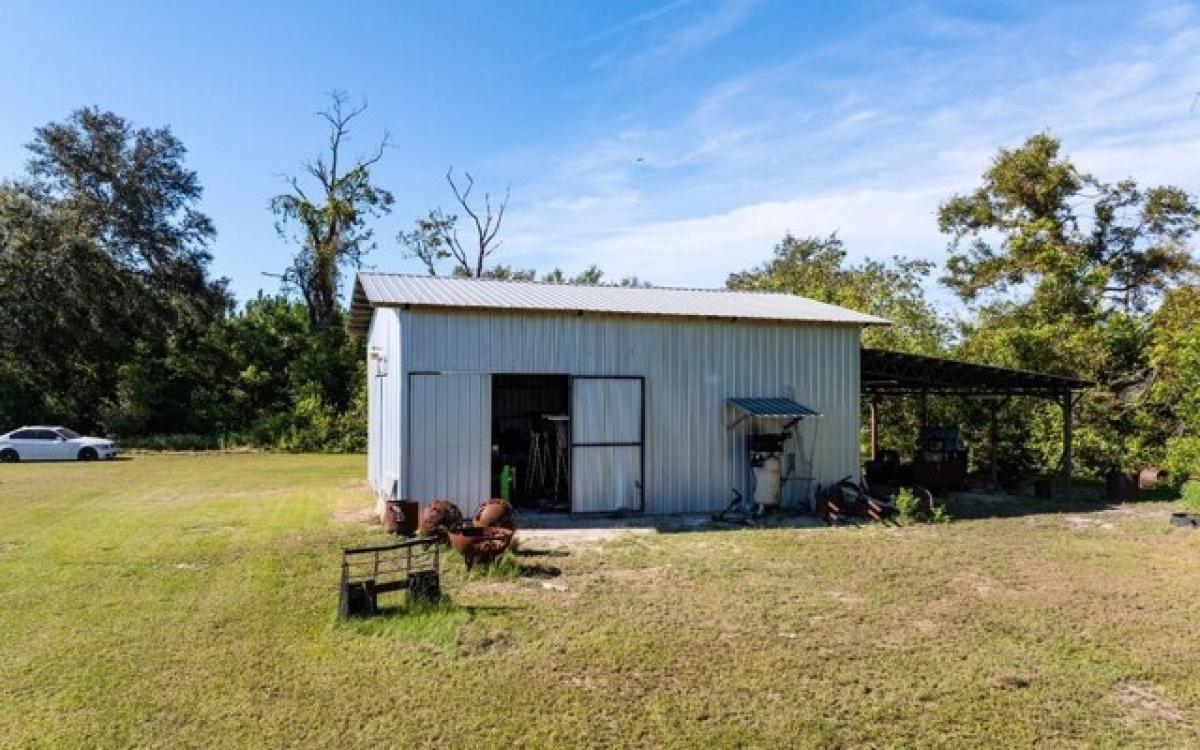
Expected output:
(888, 373)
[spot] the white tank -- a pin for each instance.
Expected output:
(767, 481)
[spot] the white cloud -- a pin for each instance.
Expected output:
(703, 250)
(812, 145)
(728, 15)
(680, 41)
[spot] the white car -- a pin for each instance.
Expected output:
(53, 444)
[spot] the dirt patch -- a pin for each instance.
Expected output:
(1145, 703)
(647, 575)
(922, 625)
(474, 641)
(1013, 682)
(577, 538)
(354, 515)
(976, 583)
(1080, 522)
(847, 597)
(490, 586)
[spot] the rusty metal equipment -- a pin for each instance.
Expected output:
(400, 517)
(393, 516)
(413, 566)
(1186, 520)
(478, 544)
(941, 459)
(409, 511)
(440, 518)
(495, 513)
(846, 499)
(1150, 477)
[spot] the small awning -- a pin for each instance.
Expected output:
(777, 408)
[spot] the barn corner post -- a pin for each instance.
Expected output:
(1067, 402)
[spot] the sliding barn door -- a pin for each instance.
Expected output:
(449, 437)
(607, 444)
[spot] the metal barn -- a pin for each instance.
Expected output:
(602, 399)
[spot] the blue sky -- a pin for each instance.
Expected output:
(672, 139)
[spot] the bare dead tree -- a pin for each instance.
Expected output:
(435, 237)
(486, 222)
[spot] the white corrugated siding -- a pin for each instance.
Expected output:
(690, 366)
(606, 410)
(606, 478)
(450, 437)
(384, 408)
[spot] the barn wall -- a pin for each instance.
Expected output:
(384, 406)
(691, 366)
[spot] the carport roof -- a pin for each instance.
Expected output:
(887, 372)
(372, 289)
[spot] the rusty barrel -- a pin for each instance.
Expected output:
(1150, 476)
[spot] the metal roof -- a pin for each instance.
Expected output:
(373, 290)
(887, 372)
(780, 408)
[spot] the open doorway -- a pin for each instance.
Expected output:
(531, 440)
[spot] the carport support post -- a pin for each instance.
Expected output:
(874, 407)
(993, 440)
(1067, 458)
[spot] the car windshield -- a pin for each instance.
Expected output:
(68, 434)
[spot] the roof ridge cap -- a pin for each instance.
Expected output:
(537, 282)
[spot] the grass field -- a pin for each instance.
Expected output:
(178, 601)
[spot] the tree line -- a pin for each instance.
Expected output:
(111, 321)
(1058, 272)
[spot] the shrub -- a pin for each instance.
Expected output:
(940, 514)
(1190, 494)
(181, 442)
(1183, 458)
(912, 509)
(906, 505)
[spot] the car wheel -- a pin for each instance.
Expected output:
(88, 454)
(9, 456)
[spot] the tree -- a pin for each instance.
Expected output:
(815, 267)
(1022, 228)
(287, 384)
(435, 237)
(332, 228)
(1173, 390)
(103, 207)
(1062, 272)
(590, 276)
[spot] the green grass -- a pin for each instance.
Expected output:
(188, 600)
(1190, 494)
